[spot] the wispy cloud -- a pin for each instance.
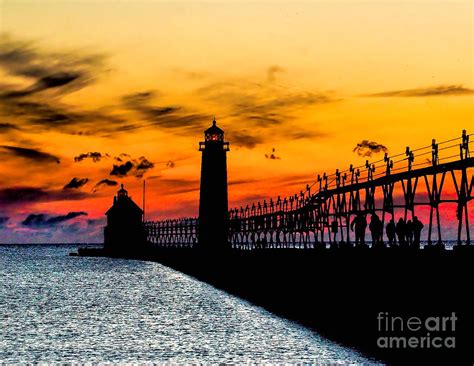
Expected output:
(29, 154)
(260, 103)
(40, 115)
(171, 117)
(7, 127)
(366, 148)
(136, 167)
(122, 169)
(95, 156)
(104, 182)
(42, 220)
(142, 166)
(244, 138)
(433, 91)
(25, 194)
(62, 71)
(121, 157)
(76, 183)
(50, 75)
(264, 108)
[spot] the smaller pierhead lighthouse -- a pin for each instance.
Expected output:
(124, 230)
(213, 207)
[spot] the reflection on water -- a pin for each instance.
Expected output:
(60, 308)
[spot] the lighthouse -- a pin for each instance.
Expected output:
(213, 207)
(124, 230)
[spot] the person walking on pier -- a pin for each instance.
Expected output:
(376, 229)
(401, 230)
(359, 224)
(409, 234)
(417, 227)
(390, 230)
(334, 229)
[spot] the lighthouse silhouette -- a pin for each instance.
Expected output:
(213, 206)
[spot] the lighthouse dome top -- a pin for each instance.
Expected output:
(214, 139)
(214, 130)
(122, 192)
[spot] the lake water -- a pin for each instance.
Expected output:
(58, 308)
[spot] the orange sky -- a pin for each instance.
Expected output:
(308, 79)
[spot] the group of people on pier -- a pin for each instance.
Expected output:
(404, 233)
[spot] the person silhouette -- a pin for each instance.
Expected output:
(409, 232)
(401, 231)
(417, 227)
(376, 229)
(334, 229)
(390, 230)
(359, 225)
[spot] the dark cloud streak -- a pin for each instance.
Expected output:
(261, 103)
(136, 167)
(446, 90)
(51, 74)
(76, 183)
(366, 148)
(43, 220)
(104, 182)
(67, 71)
(30, 154)
(94, 156)
(21, 195)
(122, 169)
(142, 166)
(7, 127)
(175, 118)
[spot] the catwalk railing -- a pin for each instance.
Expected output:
(341, 202)
(174, 233)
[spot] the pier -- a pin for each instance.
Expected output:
(321, 215)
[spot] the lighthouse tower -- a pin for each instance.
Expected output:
(213, 206)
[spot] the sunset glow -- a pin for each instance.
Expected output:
(294, 85)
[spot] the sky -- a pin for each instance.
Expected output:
(94, 94)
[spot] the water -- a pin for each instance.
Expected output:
(57, 308)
